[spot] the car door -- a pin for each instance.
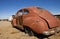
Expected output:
(21, 15)
(20, 18)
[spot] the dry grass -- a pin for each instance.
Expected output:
(8, 32)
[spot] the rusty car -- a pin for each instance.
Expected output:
(36, 19)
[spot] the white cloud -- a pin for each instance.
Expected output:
(57, 13)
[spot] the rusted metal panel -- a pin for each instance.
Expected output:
(38, 19)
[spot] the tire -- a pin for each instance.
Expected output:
(28, 31)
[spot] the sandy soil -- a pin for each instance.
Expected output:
(8, 32)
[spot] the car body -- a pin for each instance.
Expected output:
(38, 19)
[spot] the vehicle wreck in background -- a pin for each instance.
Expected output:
(36, 19)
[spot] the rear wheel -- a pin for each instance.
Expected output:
(29, 31)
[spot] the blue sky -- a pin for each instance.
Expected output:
(10, 7)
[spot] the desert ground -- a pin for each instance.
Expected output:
(8, 32)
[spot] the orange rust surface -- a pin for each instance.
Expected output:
(14, 22)
(38, 20)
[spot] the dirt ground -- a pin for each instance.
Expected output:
(8, 32)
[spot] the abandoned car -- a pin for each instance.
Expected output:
(36, 19)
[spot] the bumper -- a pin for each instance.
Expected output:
(51, 31)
